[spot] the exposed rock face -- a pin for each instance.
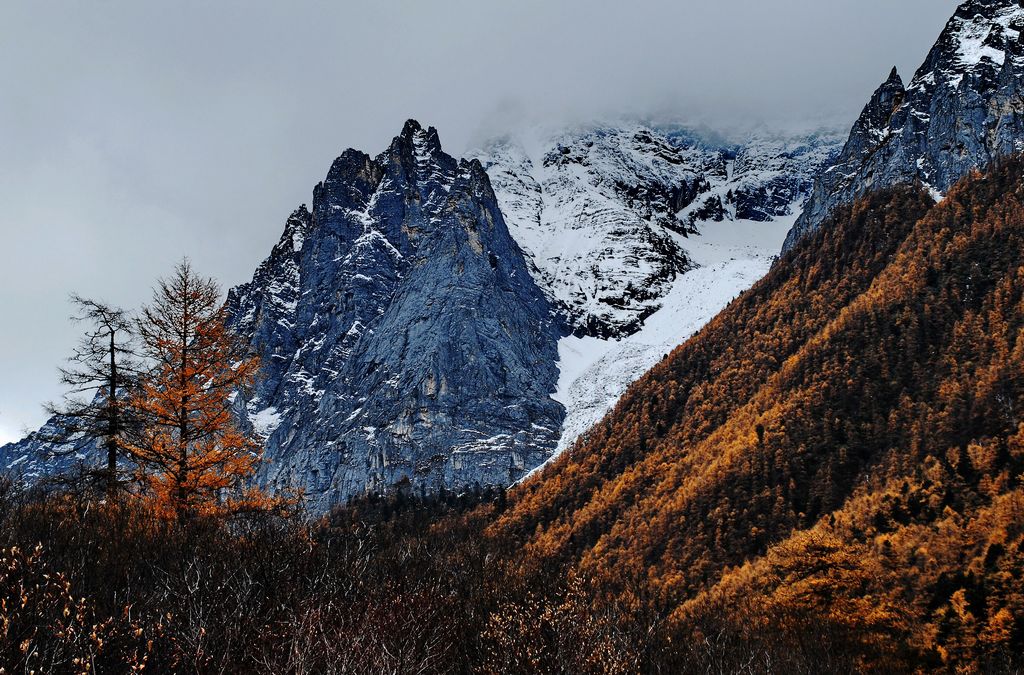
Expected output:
(36, 456)
(962, 109)
(602, 212)
(402, 334)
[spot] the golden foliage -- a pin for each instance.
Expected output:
(194, 457)
(842, 442)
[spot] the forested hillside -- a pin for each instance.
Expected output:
(840, 452)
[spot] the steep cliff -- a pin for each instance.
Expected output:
(403, 337)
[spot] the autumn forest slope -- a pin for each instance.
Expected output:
(842, 445)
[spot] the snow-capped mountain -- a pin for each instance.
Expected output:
(963, 108)
(604, 212)
(640, 234)
(408, 333)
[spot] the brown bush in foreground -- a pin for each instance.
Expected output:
(42, 626)
(379, 588)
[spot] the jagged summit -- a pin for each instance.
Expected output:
(887, 97)
(404, 336)
(961, 110)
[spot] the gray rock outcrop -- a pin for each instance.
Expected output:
(963, 108)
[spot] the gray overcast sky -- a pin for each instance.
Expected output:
(133, 133)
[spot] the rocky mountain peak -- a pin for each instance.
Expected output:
(874, 120)
(962, 109)
(889, 95)
(297, 227)
(417, 149)
(403, 337)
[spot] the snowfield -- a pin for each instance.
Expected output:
(732, 256)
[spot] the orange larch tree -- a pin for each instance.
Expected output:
(193, 455)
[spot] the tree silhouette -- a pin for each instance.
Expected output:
(97, 411)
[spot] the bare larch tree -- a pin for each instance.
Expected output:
(95, 414)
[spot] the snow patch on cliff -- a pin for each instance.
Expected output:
(594, 373)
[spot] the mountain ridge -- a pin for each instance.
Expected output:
(343, 269)
(961, 110)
